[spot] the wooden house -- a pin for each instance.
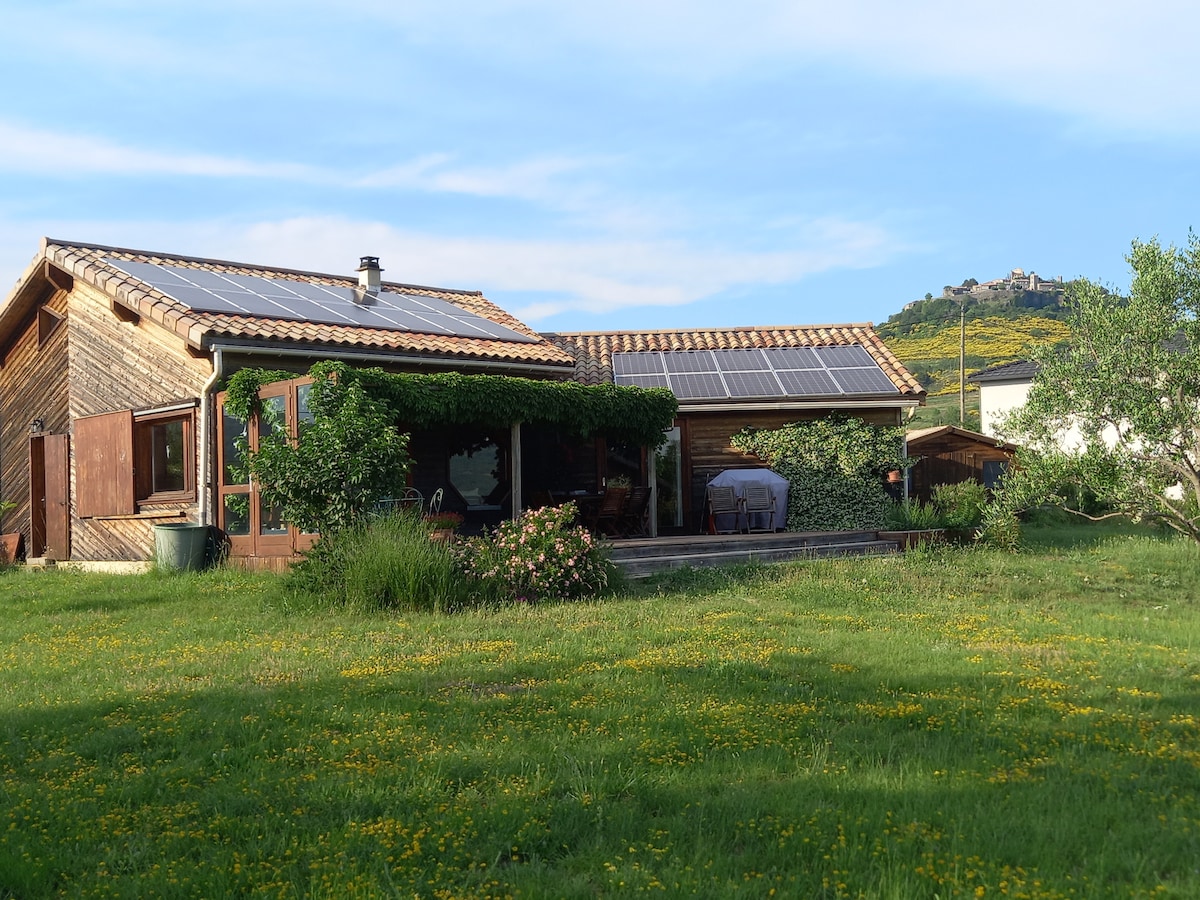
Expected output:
(731, 378)
(948, 454)
(110, 360)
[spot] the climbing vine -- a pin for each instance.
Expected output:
(354, 451)
(836, 468)
(420, 401)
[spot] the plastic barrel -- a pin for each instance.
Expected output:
(180, 545)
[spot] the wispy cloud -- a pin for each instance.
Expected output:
(65, 155)
(1119, 66)
(587, 276)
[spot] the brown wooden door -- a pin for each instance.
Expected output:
(49, 496)
(58, 494)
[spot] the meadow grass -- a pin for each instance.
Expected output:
(954, 723)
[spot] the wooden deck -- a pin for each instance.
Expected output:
(641, 557)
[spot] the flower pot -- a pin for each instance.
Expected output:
(442, 535)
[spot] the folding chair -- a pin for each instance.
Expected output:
(758, 501)
(633, 519)
(722, 501)
(608, 515)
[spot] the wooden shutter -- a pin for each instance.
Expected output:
(104, 465)
(58, 478)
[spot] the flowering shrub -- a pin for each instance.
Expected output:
(540, 556)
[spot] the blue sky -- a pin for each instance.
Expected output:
(615, 165)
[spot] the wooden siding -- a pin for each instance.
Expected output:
(33, 385)
(950, 459)
(119, 365)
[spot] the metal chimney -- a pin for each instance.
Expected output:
(370, 276)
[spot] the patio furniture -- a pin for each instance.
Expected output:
(722, 501)
(634, 521)
(409, 499)
(607, 517)
(758, 503)
(435, 502)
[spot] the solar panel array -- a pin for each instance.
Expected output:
(293, 300)
(754, 373)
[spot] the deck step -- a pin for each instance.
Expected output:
(643, 557)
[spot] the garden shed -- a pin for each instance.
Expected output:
(949, 454)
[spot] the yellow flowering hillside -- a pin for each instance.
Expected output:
(930, 350)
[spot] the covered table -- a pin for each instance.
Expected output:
(739, 478)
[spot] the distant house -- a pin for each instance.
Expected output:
(1002, 389)
(729, 378)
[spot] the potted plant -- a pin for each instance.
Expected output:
(442, 525)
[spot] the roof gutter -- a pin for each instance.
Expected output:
(392, 359)
(892, 403)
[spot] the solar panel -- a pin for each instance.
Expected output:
(844, 357)
(642, 381)
(863, 381)
(792, 358)
(698, 386)
(640, 363)
(747, 360)
(690, 361)
(808, 382)
(749, 373)
(753, 384)
(302, 301)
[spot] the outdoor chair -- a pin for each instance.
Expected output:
(435, 502)
(722, 501)
(607, 517)
(633, 519)
(409, 499)
(758, 502)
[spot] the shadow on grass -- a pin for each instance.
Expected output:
(530, 775)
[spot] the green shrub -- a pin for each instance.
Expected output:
(540, 556)
(911, 515)
(960, 506)
(383, 563)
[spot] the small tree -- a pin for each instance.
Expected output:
(1114, 418)
(348, 457)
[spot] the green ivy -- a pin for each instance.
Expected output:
(836, 468)
(420, 401)
(356, 449)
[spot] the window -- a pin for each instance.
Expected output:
(163, 456)
(126, 458)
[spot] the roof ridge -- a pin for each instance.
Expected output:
(279, 270)
(715, 329)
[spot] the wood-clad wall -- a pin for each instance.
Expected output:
(115, 365)
(33, 385)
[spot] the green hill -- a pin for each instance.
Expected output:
(1001, 326)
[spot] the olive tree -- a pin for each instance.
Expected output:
(1111, 426)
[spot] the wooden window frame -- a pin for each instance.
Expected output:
(257, 543)
(143, 451)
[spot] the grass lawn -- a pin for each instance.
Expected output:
(955, 723)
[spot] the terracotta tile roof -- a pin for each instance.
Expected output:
(593, 351)
(200, 329)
